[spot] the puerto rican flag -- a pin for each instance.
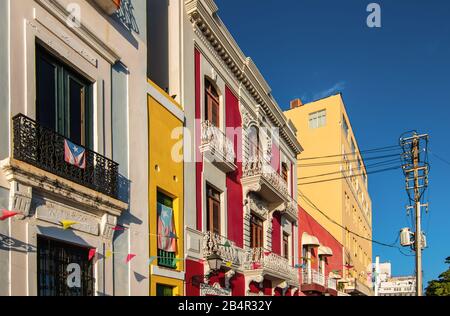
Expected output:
(74, 155)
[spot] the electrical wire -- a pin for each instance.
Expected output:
(307, 200)
(381, 149)
(382, 163)
(351, 176)
(341, 161)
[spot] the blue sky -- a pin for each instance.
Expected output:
(393, 79)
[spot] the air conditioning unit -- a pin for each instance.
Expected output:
(406, 237)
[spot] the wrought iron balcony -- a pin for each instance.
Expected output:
(217, 147)
(272, 264)
(262, 177)
(43, 148)
(227, 250)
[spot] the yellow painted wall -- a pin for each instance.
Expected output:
(166, 176)
(330, 196)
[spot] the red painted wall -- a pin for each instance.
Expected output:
(193, 268)
(234, 187)
(309, 225)
(198, 135)
(276, 233)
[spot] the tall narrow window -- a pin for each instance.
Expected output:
(167, 239)
(63, 99)
(256, 232)
(213, 211)
(63, 269)
(253, 143)
(212, 104)
(285, 245)
(285, 172)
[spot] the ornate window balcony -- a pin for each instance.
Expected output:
(226, 249)
(217, 148)
(271, 264)
(259, 176)
(44, 149)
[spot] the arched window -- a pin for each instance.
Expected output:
(212, 104)
(253, 143)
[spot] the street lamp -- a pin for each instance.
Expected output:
(214, 262)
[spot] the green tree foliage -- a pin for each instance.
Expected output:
(441, 286)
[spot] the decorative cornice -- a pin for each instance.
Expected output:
(61, 14)
(204, 18)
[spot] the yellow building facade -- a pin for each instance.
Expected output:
(331, 152)
(166, 191)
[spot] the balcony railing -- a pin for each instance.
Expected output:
(44, 149)
(332, 284)
(226, 249)
(260, 258)
(260, 167)
(218, 145)
(313, 277)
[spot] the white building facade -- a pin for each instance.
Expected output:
(70, 72)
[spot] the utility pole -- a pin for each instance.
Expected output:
(415, 169)
(418, 235)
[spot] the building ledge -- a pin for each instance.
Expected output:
(16, 171)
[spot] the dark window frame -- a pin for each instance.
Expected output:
(213, 210)
(212, 103)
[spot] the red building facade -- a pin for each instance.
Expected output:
(321, 258)
(243, 205)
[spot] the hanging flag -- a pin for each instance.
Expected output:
(166, 227)
(139, 277)
(67, 224)
(74, 155)
(130, 257)
(108, 254)
(172, 235)
(267, 253)
(7, 214)
(92, 253)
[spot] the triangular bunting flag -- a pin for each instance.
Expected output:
(92, 253)
(229, 264)
(67, 224)
(267, 253)
(7, 214)
(150, 261)
(119, 228)
(130, 257)
(139, 277)
(227, 244)
(108, 254)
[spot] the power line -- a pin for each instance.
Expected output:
(382, 163)
(381, 149)
(351, 176)
(345, 228)
(341, 161)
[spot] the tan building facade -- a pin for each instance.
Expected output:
(342, 205)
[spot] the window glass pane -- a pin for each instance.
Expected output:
(76, 105)
(46, 87)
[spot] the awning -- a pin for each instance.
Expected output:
(325, 251)
(310, 240)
